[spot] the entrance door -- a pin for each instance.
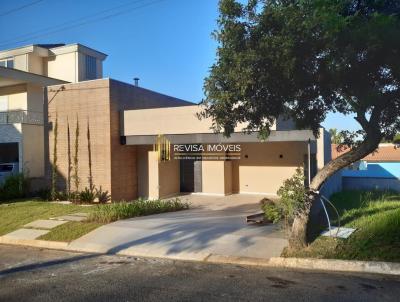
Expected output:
(187, 175)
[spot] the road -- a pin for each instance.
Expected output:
(28, 274)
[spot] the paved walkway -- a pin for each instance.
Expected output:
(37, 228)
(214, 225)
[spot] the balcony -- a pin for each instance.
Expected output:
(21, 117)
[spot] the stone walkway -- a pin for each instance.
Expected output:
(37, 228)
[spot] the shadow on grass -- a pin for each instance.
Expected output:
(376, 215)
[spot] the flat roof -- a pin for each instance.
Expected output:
(48, 49)
(216, 138)
(11, 76)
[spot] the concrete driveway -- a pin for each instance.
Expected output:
(213, 225)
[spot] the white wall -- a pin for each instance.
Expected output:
(63, 67)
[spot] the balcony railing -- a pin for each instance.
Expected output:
(21, 117)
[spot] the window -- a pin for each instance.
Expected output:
(9, 62)
(6, 168)
(91, 70)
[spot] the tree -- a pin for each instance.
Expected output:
(336, 137)
(301, 60)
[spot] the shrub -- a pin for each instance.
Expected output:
(102, 196)
(87, 195)
(14, 186)
(74, 196)
(116, 211)
(47, 195)
(292, 196)
(272, 211)
(43, 194)
(61, 195)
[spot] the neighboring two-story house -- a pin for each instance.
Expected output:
(24, 72)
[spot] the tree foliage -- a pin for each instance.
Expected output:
(336, 136)
(303, 59)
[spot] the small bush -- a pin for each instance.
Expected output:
(102, 196)
(43, 194)
(87, 195)
(74, 197)
(46, 194)
(272, 211)
(292, 196)
(61, 195)
(116, 211)
(14, 186)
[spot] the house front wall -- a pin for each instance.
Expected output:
(213, 177)
(262, 169)
(84, 105)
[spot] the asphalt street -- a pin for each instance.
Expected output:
(28, 274)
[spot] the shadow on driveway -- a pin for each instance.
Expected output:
(198, 231)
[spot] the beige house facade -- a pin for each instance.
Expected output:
(24, 73)
(125, 121)
(107, 132)
(259, 168)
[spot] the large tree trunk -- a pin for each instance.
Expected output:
(300, 229)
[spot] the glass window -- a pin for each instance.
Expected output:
(6, 168)
(7, 63)
(91, 70)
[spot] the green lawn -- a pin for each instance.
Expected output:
(70, 231)
(16, 214)
(376, 215)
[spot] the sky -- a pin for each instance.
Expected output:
(165, 43)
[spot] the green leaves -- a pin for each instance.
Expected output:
(304, 59)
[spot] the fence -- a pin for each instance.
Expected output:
(21, 117)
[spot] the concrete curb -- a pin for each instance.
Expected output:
(35, 243)
(371, 267)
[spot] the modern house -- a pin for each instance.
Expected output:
(379, 170)
(125, 122)
(107, 132)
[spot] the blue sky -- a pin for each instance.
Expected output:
(167, 44)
